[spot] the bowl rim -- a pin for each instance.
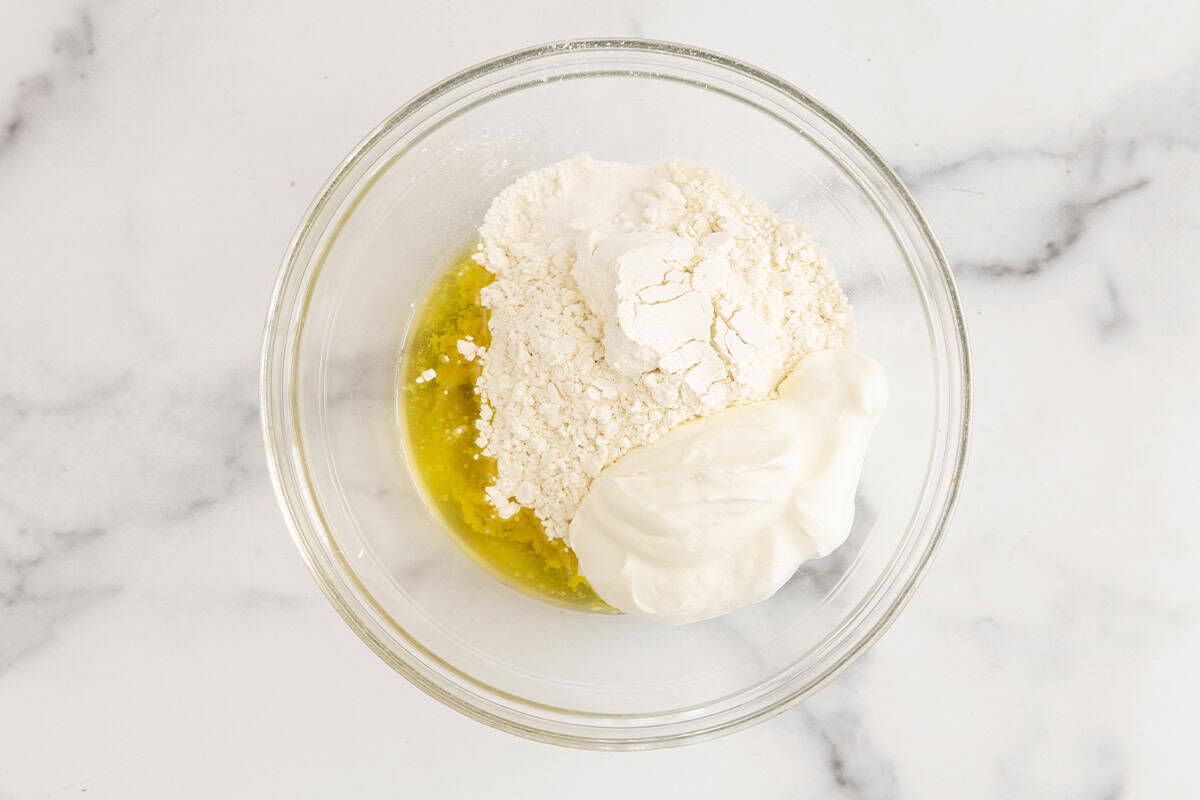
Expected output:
(554, 733)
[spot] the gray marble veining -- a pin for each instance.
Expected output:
(72, 48)
(157, 628)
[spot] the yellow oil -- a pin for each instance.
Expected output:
(439, 418)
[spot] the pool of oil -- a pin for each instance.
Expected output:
(439, 428)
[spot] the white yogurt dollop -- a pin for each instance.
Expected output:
(719, 512)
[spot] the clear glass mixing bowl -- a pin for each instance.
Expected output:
(408, 199)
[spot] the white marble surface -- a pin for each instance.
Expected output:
(159, 636)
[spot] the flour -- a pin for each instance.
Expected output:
(628, 299)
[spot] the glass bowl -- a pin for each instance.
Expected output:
(405, 202)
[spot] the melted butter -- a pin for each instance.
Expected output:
(439, 417)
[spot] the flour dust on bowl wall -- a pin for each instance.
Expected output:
(629, 366)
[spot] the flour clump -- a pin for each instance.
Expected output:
(627, 299)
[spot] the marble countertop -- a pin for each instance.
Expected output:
(159, 635)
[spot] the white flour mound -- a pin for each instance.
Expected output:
(628, 299)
